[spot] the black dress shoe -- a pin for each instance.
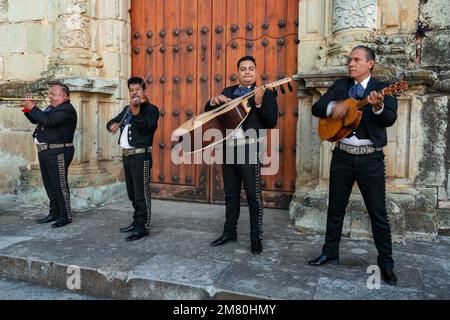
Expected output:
(59, 224)
(388, 276)
(256, 246)
(47, 219)
(136, 236)
(130, 228)
(323, 259)
(222, 240)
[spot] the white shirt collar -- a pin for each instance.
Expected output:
(365, 82)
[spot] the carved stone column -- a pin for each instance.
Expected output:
(353, 23)
(354, 14)
(75, 53)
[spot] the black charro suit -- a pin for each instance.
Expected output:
(368, 170)
(55, 127)
(137, 167)
(248, 173)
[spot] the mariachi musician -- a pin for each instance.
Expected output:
(263, 115)
(137, 123)
(359, 157)
(54, 141)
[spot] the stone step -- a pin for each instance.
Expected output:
(93, 282)
(19, 290)
(92, 258)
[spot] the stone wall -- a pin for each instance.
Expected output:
(417, 159)
(84, 44)
(435, 17)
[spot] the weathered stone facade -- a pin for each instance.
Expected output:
(86, 44)
(416, 156)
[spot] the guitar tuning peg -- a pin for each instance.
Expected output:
(290, 87)
(283, 90)
(275, 92)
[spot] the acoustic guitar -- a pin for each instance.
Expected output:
(335, 129)
(225, 118)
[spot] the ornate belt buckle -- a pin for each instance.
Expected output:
(42, 147)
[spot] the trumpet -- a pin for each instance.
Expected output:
(15, 101)
(20, 99)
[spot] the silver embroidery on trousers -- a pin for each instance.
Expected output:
(385, 197)
(147, 193)
(258, 194)
(64, 185)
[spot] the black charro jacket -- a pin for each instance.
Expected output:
(142, 127)
(56, 126)
(375, 125)
(264, 117)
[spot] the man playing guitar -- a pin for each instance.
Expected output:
(359, 157)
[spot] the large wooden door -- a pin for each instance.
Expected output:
(189, 49)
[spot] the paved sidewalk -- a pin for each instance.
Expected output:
(176, 262)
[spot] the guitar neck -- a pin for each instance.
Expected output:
(267, 86)
(391, 90)
(364, 102)
(252, 93)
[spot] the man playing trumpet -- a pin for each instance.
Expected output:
(54, 141)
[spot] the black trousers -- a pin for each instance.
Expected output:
(137, 177)
(54, 164)
(369, 172)
(235, 173)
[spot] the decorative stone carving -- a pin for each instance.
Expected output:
(395, 50)
(77, 55)
(331, 55)
(349, 14)
(334, 52)
(74, 31)
(438, 11)
(77, 6)
(74, 26)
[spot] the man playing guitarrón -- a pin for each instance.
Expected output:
(263, 115)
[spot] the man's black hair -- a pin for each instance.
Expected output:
(64, 88)
(136, 80)
(246, 58)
